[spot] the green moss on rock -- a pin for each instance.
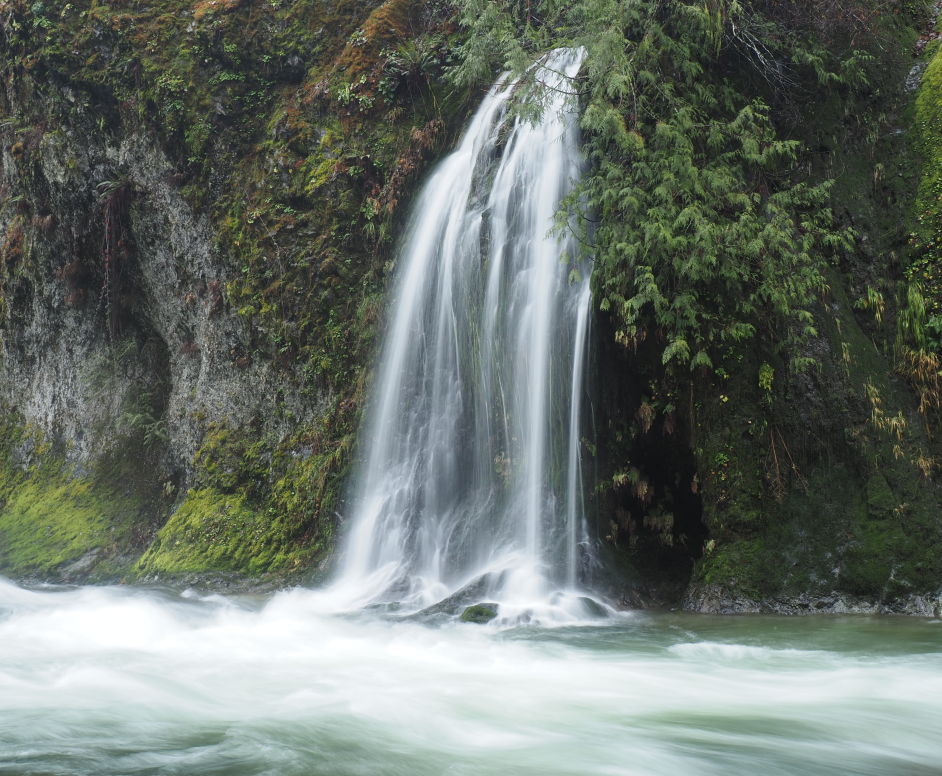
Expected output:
(258, 508)
(925, 266)
(880, 499)
(214, 531)
(61, 523)
(47, 524)
(479, 613)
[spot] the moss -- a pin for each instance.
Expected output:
(214, 531)
(897, 557)
(479, 613)
(11, 252)
(869, 561)
(829, 536)
(880, 498)
(229, 458)
(60, 523)
(47, 524)
(388, 26)
(733, 566)
(926, 235)
(258, 508)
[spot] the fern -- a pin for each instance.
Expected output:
(700, 220)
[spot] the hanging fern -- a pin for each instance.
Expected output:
(701, 221)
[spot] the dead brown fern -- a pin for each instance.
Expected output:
(773, 467)
(923, 372)
(774, 475)
(645, 417)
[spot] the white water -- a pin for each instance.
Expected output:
(117, 681)
(472, 461)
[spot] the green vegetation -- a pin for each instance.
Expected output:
(919, 326)
(479, 613)
(924, 273)
(215, 532)
(300, 130)
(48, 524)
(57, 522)
(255, 509)
(739, 205)
(706, 223)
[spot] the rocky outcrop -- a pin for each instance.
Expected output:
(194, 243)
(712, 599)
(120, 350)
(78, 354)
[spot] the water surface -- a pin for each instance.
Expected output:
(133, 681)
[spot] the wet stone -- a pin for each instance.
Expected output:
(479, 613)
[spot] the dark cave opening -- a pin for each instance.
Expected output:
(648, 495)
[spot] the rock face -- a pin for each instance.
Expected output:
(194, 241)
(712, 599)
(67, 368)
(120, 350)
(197, 214)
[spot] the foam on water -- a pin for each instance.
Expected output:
(112, 680)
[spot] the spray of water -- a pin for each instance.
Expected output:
(131, 681)
(472, 465)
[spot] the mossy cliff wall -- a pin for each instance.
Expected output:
(197, 205)
(848, 516)
(199, 202)
(813, 490)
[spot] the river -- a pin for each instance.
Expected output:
(114, 680)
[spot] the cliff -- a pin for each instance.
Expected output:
(199, 208)
(197, 205)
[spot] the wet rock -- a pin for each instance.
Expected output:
(473, 592)
(480, 613)
(594, 609)
(713, 599)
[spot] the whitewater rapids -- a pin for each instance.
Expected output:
(131, 681)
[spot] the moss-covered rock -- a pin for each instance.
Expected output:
(60, 522)
(479, 613)
(212, 531)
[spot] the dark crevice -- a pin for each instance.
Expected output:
(648, 484)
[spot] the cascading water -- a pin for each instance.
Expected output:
(472, 463)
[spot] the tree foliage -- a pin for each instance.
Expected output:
(702, 219)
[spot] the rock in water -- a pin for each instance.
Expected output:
(593, 608)
(479, 613)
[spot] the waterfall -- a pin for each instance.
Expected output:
(472, 445)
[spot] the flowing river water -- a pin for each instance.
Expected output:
(471, 491)
(133, 681)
